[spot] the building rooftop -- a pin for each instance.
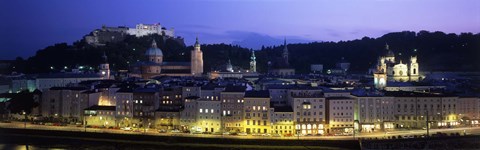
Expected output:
(416, 94)
(283, 109)
(146, 90)
(69, 88)
(257, 94)
(174, 71)
(68, 75)
(97, 107)
(339, 98)
(231, 88)
(308, 95)
(192, 97)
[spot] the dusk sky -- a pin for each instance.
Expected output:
(28, 26)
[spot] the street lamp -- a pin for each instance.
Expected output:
(428, 124)
(25, 119)
(84, 122)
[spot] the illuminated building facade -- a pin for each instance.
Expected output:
(341, 111)
(232, 100)
(282, 120)
(208, 116)
(389, 69)
(309, 113)
(257, 112)
(375, 113)
(100, 116)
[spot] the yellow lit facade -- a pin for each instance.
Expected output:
(257, 115)
(283, 123)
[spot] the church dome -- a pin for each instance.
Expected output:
(390, 53)
(154, 50)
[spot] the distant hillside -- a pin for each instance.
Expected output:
(436, 51)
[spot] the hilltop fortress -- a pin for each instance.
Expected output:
(100, 37)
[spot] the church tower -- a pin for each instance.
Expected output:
(414, 75)
(380, 80)
(390, 56)
(105, 67)
(229, 66)
(253, 62)
(197, 59)
(285, 52)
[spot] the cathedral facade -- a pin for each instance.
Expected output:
(390, 69)
(156, 66)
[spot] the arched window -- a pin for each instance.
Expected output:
(415, 71)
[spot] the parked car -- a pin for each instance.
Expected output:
(126, 128)
(162, 131)
(242, 134)
(276, 135)
(256, 134)
(233, 133)
(196, 132)
(175, 131)
(226, 133)
(137, 130)
(347, 134)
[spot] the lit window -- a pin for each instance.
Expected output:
(211, 110)
(201, 110)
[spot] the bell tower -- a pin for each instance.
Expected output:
(253, 62)
(196, 59)
(413, 70)
(105, 67)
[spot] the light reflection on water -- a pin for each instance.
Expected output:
(25, 147)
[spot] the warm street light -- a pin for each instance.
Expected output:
(25, 119)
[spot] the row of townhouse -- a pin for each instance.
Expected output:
(294, 110)
(415, 110)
